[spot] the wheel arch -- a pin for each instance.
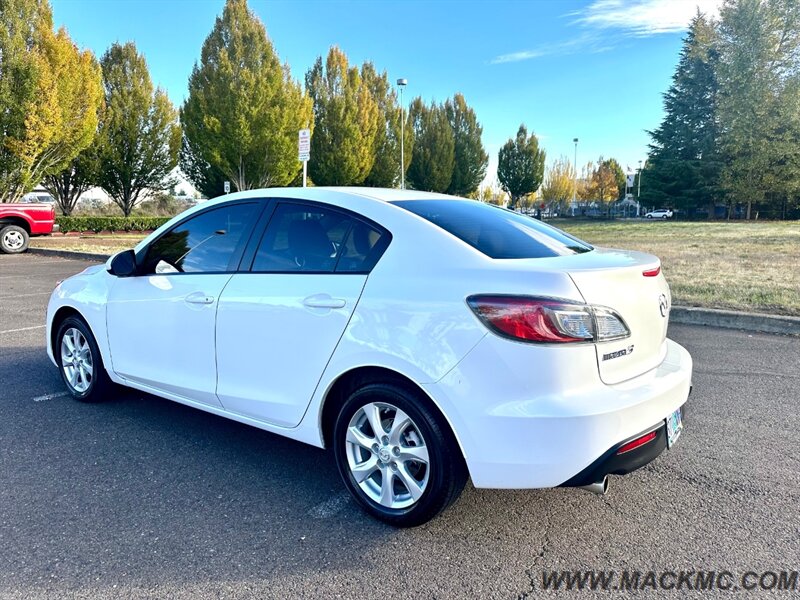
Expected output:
(356, 377)
(18, 221)
(59, 317)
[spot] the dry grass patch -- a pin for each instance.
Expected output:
(746, 266)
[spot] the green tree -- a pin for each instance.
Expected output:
(520, 166)
(67, 186)
(433, 156)
(758, 108)
(244, 110)
(346, 119)
(385, 171)
(139, 136)
(684, 166)
(559, 184)
(50, 94)
(470, 158)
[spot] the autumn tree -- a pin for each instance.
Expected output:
(244, 110)
(520, 167)
(50, 94)
(433, 155)
(619, 176)
(385, 171)
(469, 156)
(603, 185)
(139, 136)
(346, 118)
(559, 183)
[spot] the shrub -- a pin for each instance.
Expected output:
(114, 224)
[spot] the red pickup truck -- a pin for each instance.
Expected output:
(18, 222)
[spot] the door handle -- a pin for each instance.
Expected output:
(324, 301)
(199, 298)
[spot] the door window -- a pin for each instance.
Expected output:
(205, 243)
(303, 238)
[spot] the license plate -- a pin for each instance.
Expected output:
(674, 427)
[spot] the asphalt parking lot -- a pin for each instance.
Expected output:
(141, 497)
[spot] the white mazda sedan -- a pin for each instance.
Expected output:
(425, 338)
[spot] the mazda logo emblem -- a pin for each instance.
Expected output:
(663, 305)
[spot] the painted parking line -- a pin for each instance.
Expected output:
(50, 396)
(26, 295)
(23, 329)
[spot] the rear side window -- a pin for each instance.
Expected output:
(305, 238)
(497, 232)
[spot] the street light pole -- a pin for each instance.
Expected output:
(401, 83)
(575, 177)
(639, 191)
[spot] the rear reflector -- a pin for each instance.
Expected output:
(640, 441)
(652, 272)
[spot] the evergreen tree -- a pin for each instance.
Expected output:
(520, 167)
(50, 94)
(683, 170)
(433, 156)
(470, 158)
(139, 136)
(244, 110)
(346, 118)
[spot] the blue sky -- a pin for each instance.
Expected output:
(592, 69)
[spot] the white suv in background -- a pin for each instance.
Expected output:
(659, 213)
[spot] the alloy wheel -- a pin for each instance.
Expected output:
(76, 360)
(387, 455)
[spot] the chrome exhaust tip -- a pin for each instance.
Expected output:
(599, 488)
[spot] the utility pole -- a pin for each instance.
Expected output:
(575, 177)
(401, 83)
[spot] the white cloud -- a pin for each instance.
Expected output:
(638, 18)
(644, 17)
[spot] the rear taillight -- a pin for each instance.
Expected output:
(652, 272)
(547, 320)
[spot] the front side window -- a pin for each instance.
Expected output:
(205, 243)
(305, 238)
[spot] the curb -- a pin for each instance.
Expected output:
(683, 315)
(70, 254)
(731, 319)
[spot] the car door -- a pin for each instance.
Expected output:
(161, 321)
(279, 323)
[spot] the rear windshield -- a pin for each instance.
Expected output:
(497, 232)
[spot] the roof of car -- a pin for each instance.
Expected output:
(380, 194)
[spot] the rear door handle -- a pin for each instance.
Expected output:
(324, 301)
(199, 298)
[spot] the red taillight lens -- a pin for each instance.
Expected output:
(534, 319)
(652, 272)
(638, 442)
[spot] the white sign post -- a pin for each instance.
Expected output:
(304, 150)
(227, 187)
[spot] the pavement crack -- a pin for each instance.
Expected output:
(538, 560)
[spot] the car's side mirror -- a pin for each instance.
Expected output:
(123, 264)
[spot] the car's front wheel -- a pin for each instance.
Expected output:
(13, 239)
(80, 363)
(396, 456)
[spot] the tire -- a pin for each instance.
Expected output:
(13, 239)
(85, 377)
(664, 217)
(417, 491)
(648, 216)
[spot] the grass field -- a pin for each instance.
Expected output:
(748, 266)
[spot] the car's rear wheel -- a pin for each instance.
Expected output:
(13, 239)
(80, 363)
(396, 456)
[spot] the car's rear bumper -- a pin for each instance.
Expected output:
(544, 418)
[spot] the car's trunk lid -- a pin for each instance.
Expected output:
(616, 279)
